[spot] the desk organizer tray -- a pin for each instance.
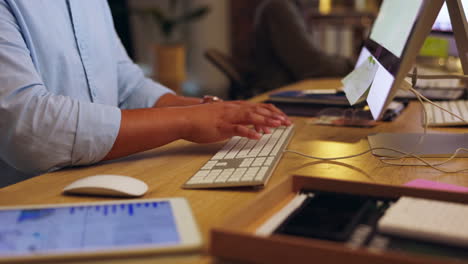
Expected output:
(236, 238)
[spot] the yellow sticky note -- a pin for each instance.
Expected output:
(435, 47)
(357, 83)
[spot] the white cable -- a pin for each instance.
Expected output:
(418, 94)
(395, 150)
(432, 165)
(421, 138)
(438, 76)
(420, 98)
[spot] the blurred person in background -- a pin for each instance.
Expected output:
(284, 52)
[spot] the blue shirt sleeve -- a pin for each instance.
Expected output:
(40, 130)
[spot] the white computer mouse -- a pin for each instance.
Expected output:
(108, 185)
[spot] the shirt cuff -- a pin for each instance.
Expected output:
(97, 129)
(146, 95)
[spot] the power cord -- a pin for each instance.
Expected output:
(420, 98)
(407, 154)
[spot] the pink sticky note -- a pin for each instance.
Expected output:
(422, 183)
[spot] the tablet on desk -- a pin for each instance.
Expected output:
(115, 228)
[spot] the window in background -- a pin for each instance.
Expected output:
(343, 27)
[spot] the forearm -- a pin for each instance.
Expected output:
(176, 100)
(144, 129)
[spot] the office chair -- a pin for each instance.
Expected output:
(238, 75)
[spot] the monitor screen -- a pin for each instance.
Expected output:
(442, 23)
(386, 45)
(393, 25)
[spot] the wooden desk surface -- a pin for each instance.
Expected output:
(165, 169)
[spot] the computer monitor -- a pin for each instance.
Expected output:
(442, 28)
(395, 40)
(442, 23)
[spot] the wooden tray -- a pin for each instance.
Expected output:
(235, 239)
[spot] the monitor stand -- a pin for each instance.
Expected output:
(433, 145)
(460, 30)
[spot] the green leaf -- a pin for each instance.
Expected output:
(156, 13)
(194, 14)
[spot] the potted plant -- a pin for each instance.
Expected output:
(169, 66)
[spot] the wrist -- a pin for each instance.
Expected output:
(210, 99)
(186, 122)
(165, 100)
(170, 99)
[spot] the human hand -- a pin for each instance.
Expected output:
(218, 121)
(276, 111)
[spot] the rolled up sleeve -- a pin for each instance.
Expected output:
(97, 128)
(42, 131)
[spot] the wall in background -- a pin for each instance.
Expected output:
(212, 31)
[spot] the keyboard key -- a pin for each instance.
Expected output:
(201, 174)
(261, 173)
(279, 144)
(233, 152)
(269, 161)
(246, 162)
(251, 172)
(463, 106)
(447, 116)
(259, 161)
(220, 180)
(462, 109)
(213, 174)
(207, 180)
(271, 143)
(438, 115)
(259, 146)
(238, 173)
(228, 146)
(209, 165)
(247, 148)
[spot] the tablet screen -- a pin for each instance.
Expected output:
(87, 228)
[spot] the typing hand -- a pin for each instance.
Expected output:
(216, 122)
(273, 109)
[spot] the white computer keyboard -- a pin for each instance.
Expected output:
(437, 117)
(243, 162)
(436, 83)
(430, 220)
(434, 89)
